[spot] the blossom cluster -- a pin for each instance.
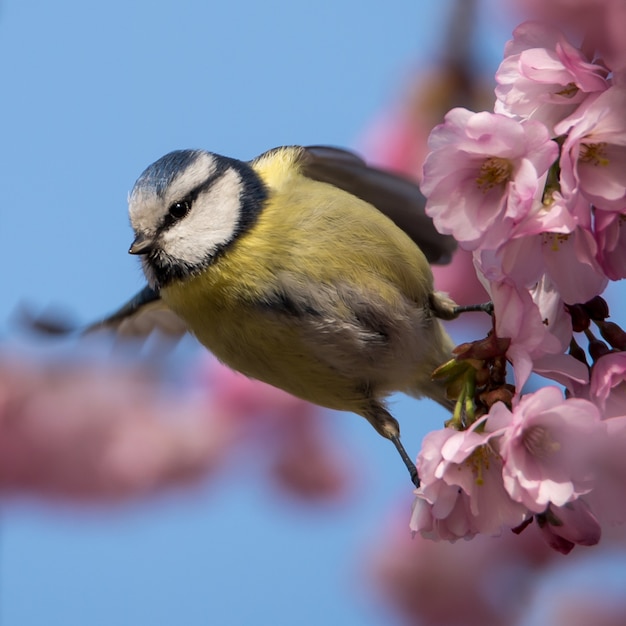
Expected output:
(81, 432)
(536, 190)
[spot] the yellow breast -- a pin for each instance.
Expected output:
(317, 235)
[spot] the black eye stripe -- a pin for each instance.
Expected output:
(252, 197)
(203, 186)
(180, 208)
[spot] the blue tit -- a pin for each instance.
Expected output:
(303, 268)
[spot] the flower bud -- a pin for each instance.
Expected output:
(613, 334)
(580, 317)
(597, 308)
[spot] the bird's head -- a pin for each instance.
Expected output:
(187, 208)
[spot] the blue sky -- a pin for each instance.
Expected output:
(93, 93)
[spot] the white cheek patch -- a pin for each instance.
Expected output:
(211, 223)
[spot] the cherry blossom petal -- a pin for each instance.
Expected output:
(608, 384)
(593, 158)
(610, 234)
(569, 525)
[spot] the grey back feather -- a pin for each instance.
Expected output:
(393, 195)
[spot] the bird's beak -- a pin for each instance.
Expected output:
(141, 244)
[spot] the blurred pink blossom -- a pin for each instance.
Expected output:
(588, 608)
(307, 463)
(482, 175)
(243, 401)
(600, 22)
(606, 500)
(397, 141)
(490, 579)
(459, 280)
(94, 433)
(546, 443)
(303, 459)
(543, 77)
(607, 389)
(88, 432)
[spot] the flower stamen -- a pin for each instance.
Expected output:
(594, 153)
(569, 91)
(478, 461)
(555, 240)
(494, 171)
(539, 443)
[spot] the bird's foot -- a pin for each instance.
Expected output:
(484, 307)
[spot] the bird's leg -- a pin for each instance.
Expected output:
(485, 307)
(415, 479)
(388, 427)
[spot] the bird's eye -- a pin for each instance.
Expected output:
(178, 210)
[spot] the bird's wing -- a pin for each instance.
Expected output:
(144, 313)
(396, 197)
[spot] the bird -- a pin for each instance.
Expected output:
(304, 268)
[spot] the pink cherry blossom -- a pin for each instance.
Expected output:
(554, 239)
(483, 173)
(593, 158)
(568, 259)
(554, 215)
(546, 444)
(519, 319)
(569, 525)
(608, 384)
(462, 492)
(543, 77)
(571, 264)
(610, 234)
(539, 329)
(456, 524)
